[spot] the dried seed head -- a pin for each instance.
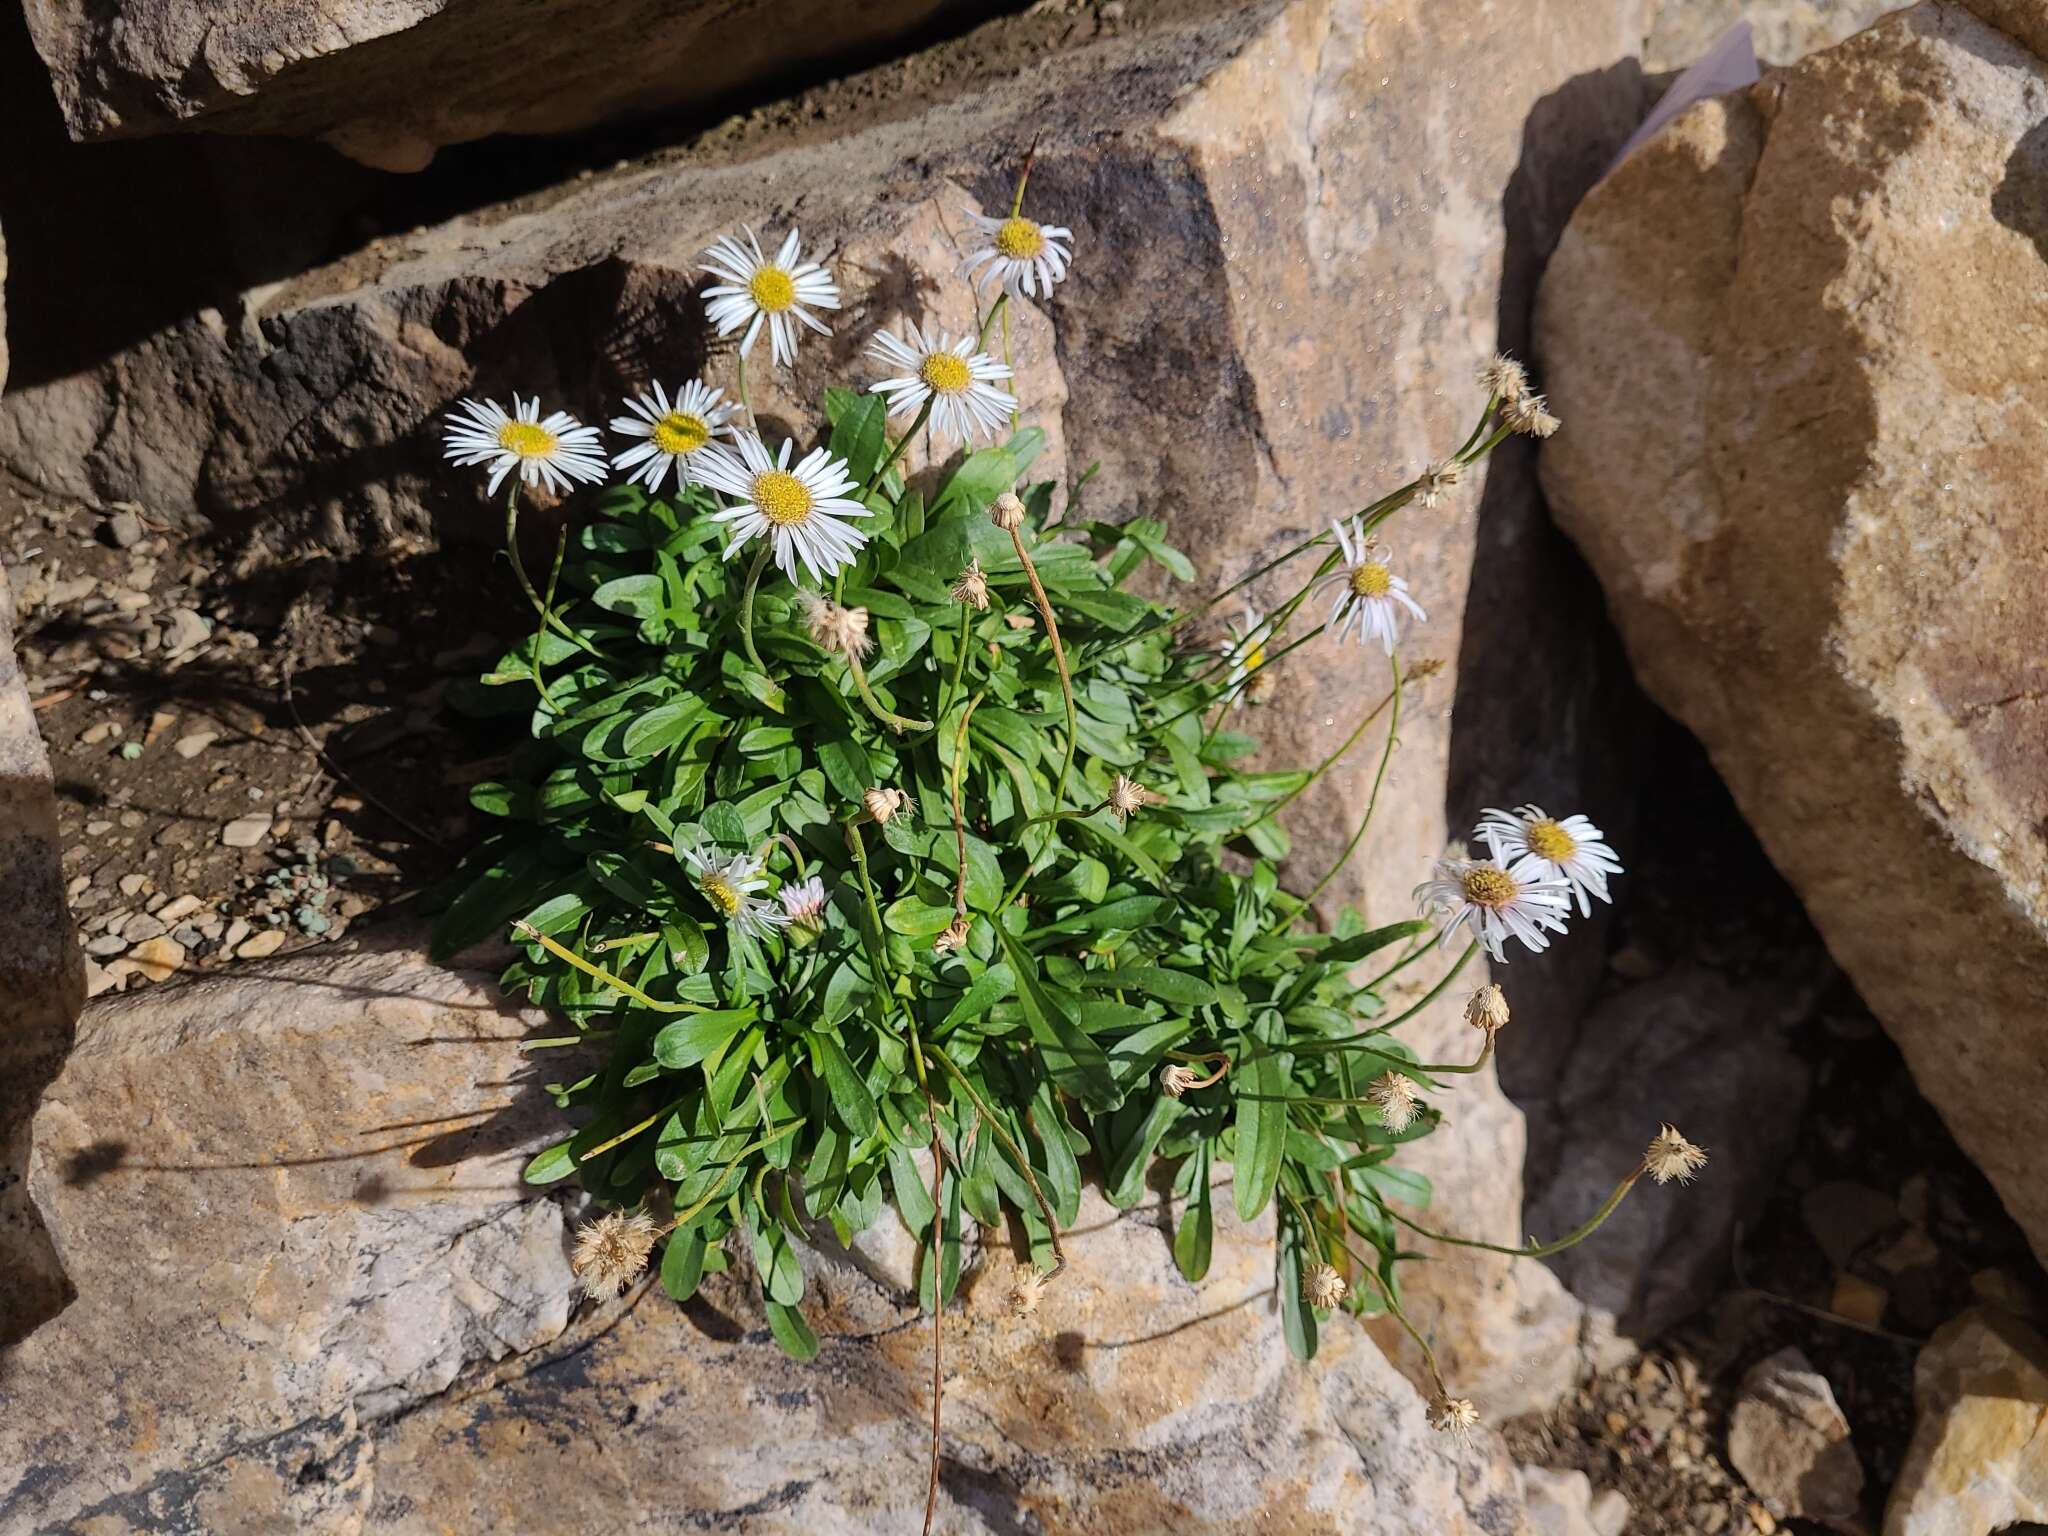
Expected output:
(883, 802)
(955, 936)
(1671, 1156)
(1007, 513)
(1026, 1294)
(1127, 797)
(1434, 481)
(1487, 1009)
(842, 631)
(1322, 1287)
(610, 1251)
(1175, 1080)
(1504, 379)
(972, 586)
(1531, 415)
(1394, 1096)
(1452, 1415)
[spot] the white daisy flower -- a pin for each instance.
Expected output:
(730, 882)
(804, 902)
(1021, 256)
(1521, 901)
(1370, 596)
(1245, 650)
(798, 510)
(1569, 849)
(670, 434)
(949, 373)
(758, 292)
(554, 451)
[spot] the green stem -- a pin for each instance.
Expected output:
(959, 661)
(747, 607)
(540, 605)
(895, 722)
(1357, 1042)
(924, 414)
(740, 386)
(527, 931)
(1321, 768)
(1532, 1250)
(1371, 804)
(988, 323)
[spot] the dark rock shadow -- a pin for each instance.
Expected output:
(2020, 200)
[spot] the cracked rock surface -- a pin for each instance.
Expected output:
(1805, 462)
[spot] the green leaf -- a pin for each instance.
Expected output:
(860, 435)
(682, 1263)
(1126, 1183)
(915, 920)
(1297, 1322)
(556, 1162)
(1193, 1238)
(660, 728)
(792, 1332)
(689, 1040)
(850, 1095)
(1127, 912)
(1166, 985)
(1345, 951)
(782, 1277)
(1075, 1061)
(1261, 1131)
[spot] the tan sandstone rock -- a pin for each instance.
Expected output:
(1803, 360)
(287, 1201)
(391, 82)
(1788, 1440)
(1978, 1462)
(42, 986)
(1290, 221)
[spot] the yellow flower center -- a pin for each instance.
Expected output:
(1371, 579)
(1255, 659)
(680, 432)
(1019, 239)
(772, 289)
(1487, 887)
(1548, 840)
(721, 893)
(946, 372)
(782, 498)
(528, 439)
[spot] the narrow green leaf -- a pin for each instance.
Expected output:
(792, 1332)
(1261, 1133)
(850, 1095)
(1075, 1061)
(1196, 1234)
(689, 1040)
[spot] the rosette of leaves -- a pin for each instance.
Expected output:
(778, 1089)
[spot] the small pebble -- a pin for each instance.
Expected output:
(106, 945)
(179, 908)
(194, 744)
(265, 943)
(93, 735)
(246, 831)
(238, 930)
(158, 958)
(124, 529)
(143, 926)
(132, 885)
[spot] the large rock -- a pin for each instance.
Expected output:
(287, 1200)
(42, 979)
(391, 82)
(1808, 395)
(1978, 1461)
(1286, 274)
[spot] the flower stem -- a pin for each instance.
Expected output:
(959, 818)
(895, 722)
(1532, 1250)
(1059, 658)
(527, 931)
(924, 414)
(747, 608)
(1371, 804)
(1321, 768)
(1357, 1042)
(540, 605)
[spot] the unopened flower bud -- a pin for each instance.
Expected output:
(1671, 1156)
(1008, 512)
(610, 1251)
(1026, 1294)
(1127, 797)
(883, 802)
(1322, 1287)
(972, 586)
(1435, 481)
(1487, 1009)
(955, 936)
(1175, 1080)
(1393, 1094)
